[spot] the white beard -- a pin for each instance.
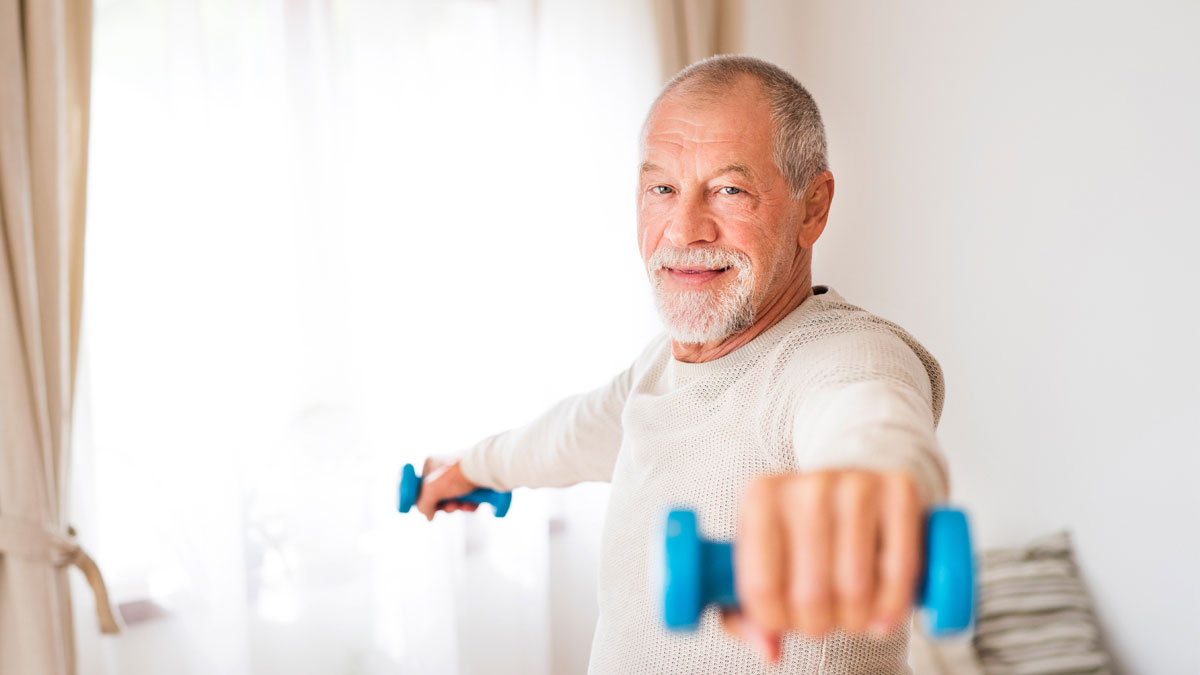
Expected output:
(704, 316)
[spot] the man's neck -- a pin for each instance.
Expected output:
(791, 298)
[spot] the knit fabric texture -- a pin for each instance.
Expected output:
(828, 386)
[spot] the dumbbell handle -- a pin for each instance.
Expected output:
(700, 572)
(410, 489)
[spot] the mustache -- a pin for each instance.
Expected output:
(710, 257)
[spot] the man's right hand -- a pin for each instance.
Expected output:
(441, 481)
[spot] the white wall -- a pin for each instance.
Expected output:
(1016, 184)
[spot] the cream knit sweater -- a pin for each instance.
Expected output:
(828, 386)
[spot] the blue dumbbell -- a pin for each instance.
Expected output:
(700, 572)
(410, 489)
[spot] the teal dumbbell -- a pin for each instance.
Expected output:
(410, 489)
(700, 572)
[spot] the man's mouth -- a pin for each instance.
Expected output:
(694, 276)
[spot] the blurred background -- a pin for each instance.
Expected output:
(329, 237)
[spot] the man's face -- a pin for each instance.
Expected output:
(716, 223)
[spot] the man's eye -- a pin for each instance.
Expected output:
(730, 190)
(661, 190)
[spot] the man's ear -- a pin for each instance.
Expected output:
(815, 209)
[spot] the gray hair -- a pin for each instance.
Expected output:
(800, 147)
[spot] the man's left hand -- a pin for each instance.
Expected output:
(825, 550)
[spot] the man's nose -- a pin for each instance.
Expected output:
(691, 224)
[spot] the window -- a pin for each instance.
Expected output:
(326, 239)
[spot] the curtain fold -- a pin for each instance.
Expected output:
(687, 32)
(45, 69)
(691, 30)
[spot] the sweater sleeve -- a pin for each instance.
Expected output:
(869, 407)
(576, 440)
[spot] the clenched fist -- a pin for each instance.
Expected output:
(825, 550)
(441, 481)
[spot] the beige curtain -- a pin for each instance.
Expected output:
(45, 69)
(690, 30)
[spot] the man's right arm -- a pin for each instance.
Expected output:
(576, 440)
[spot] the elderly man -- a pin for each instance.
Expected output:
(796, 424)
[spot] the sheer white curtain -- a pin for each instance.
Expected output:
(327, 238)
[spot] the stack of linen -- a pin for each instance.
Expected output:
(1034, 616)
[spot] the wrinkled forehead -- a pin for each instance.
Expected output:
(737, 119)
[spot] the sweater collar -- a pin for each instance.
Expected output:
(683, 373)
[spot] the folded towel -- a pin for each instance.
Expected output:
(1034, 615)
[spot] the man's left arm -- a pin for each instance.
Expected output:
(836, 545)
(875, 419)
